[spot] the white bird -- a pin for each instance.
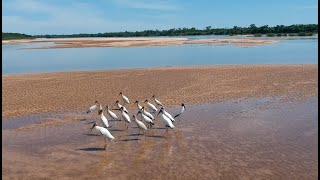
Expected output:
(151, 106)
(183, 108)
(125, 98)
(111, 114)
(157, 101)
(103, 131)
(104, 120)
(138, 105)
(146, 119)
(119, 106)
(166, 121)
(147, 113)
(140, 124)
(93, 107)
(167, 114)
(125, 117)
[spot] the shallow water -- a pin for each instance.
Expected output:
(14, 61)
(265, 138)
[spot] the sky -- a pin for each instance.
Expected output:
(37, 17)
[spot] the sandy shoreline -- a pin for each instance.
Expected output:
(136, 42)
(49, 92)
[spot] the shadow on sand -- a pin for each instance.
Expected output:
(91, 134)
(156, 136)
(135, 134)
(91, 122)
(112, 120)
(91, 149)
(159, 128)
(136, 139)
(116, 130)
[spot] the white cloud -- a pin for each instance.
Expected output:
(75, 18)
(151, 5)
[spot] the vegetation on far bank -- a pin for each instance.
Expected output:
(12, 36)
(279, 30)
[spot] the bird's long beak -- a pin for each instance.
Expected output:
(92, 128)
(117, 109)
(159, 112)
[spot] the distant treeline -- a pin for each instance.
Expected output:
(298, 29)
(279, 30)
(10, 36)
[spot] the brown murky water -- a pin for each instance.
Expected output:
(246, 139)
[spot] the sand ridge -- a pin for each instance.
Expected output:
(137, 42)
(27, 94)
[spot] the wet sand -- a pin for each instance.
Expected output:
(255, 138)
(246, 122)
(29, 94)
(137, 42)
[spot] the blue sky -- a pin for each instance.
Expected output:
(81, 16)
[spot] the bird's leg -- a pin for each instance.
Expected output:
(174, 132)
(145, 135)
(115, 122)
(151, 129)
(165, 132)
(138, 136)
(105, 141)
(127, 128)
(179, 123)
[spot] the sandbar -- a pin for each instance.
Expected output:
(138, 42)
(26, 94)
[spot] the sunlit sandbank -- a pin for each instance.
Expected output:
(139, 42)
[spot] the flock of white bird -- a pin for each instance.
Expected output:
(167, 119)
